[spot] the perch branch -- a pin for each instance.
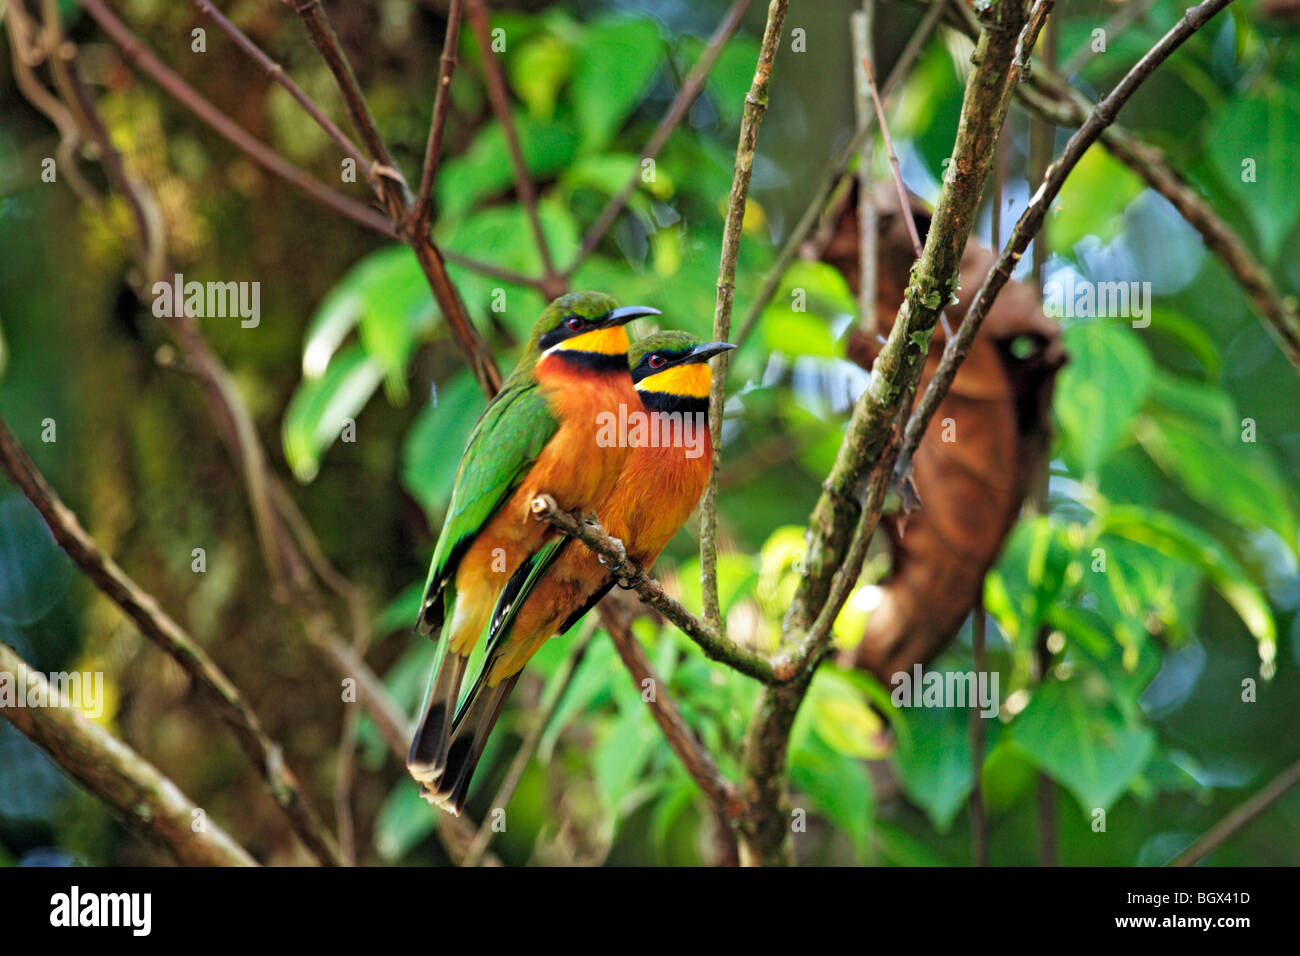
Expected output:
(144, 798)
(715, 644)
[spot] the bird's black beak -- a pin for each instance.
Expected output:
(705, 351)
(626, 314)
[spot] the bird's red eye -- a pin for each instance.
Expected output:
(657, 361)
(574, 324)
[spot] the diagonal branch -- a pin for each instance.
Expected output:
(1031, 219)
(1240, 817)
(697, 760)
(715, 643)
(161, 629)
(113, 772)
(552, 282)
(690, 91)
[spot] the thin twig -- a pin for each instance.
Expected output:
(751, 120)
(861, 27)
(1240, 818)
(500, 99)
(278, 75)
(834, 174)
(116, 774)
(978, 821)
(690, 91)
(715, 644)
(904, 207)
(1032, 218)
(161, 629)
(326, 40)
(438, 122)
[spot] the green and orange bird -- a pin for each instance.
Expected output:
(538, 435)
(662, 480)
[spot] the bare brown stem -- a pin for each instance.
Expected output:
(552, 282)
(144, 799)
(751, 120)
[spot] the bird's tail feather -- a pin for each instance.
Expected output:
(428, 754)
(468, 740)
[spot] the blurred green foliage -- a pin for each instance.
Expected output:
(1162, 575)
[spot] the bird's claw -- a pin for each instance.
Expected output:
(617, 566)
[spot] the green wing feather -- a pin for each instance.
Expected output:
(518, 588)
(505, 443)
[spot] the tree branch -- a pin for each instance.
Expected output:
(1240, 818)
(1031, 219)
(552, 282)
(438, 122)
(751, 120)
(116, 774)
(715, 644)
(162, 630)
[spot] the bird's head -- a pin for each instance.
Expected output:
(671, 369)
(586, 323)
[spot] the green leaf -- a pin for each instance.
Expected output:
(936, 765)
(319, 409)
(1082, 743)
(388, 280)
(1179, 539)
(34, 572)
(622, 754)
(436, 440)
(537, 70)
(841, 717)
(1093, 199)
(615, 64)
(1100, 390)
(1233, 478)
(485, 169)
(397, 309)
(403, 821)
(731, 77)
(1251, 144)
(839, 789)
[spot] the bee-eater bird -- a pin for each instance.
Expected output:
(662, 480)
(538, 435)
